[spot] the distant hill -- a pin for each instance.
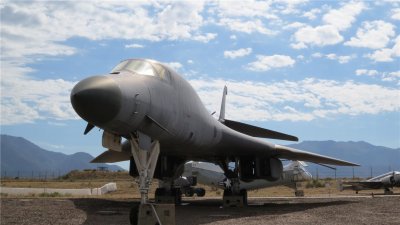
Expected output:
(21, 157)
(376, 158)
(18, 154)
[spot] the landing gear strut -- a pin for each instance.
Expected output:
(145, 153)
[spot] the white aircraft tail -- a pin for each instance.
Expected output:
(222, 111)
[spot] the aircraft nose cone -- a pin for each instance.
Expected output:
(96, 99)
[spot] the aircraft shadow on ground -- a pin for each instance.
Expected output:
(114, 211)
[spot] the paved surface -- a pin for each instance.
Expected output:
(343, 210)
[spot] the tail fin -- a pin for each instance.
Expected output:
(222, 112)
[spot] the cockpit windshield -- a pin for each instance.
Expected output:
(136, 66)
(144, 67)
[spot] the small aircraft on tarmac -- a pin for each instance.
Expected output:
(385, 181)
(165, 124)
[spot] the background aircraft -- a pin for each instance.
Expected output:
(212, 175)
(166, 124)
(385, 181)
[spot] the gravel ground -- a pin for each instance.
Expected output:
(349, 210)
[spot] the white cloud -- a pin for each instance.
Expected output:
(294, 25)
(335, 20)
(249, 26)
(317, 55)
(384, 76)
(244, 9)
(302, 100)
(383, 55)
(343, 17)
(33, 31)
(237, 53)
(265, 62)
(360, 72)
(393, 77)
(386, 54)
(205, 38)
(373, 34)
(25, 100)
(396, 14)
(340, 58)
(233, 37)
(312, 14)
(319, 36)
(134, 46)
(174, 65)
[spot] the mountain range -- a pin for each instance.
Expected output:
(374, 160)
(20, 157)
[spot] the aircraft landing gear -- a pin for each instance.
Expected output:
(145, 153)
(233, 195)
(231, 199)
(388, 191)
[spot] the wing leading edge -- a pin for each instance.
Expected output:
(258, 131)
(296, 154)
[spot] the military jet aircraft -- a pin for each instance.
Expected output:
(385, 181)
(165, 124)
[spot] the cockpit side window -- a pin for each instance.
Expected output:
(162, 72)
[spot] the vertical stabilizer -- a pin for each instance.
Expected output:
(222, 112)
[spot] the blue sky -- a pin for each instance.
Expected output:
(320, 70)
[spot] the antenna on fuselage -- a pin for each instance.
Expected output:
(222, 112)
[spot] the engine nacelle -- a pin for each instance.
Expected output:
(252, 168)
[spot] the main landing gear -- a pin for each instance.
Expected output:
(233, 195)
(145, 154)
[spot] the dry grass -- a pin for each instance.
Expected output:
(127, 187)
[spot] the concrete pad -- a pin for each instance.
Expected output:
(84, 191)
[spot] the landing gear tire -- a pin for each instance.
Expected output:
(200, 192)
(189, 192)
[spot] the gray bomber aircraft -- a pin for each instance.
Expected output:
(165, 124)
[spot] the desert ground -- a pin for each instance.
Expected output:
(334, 210)
(276, 205)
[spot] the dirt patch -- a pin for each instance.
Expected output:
(357, 210)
